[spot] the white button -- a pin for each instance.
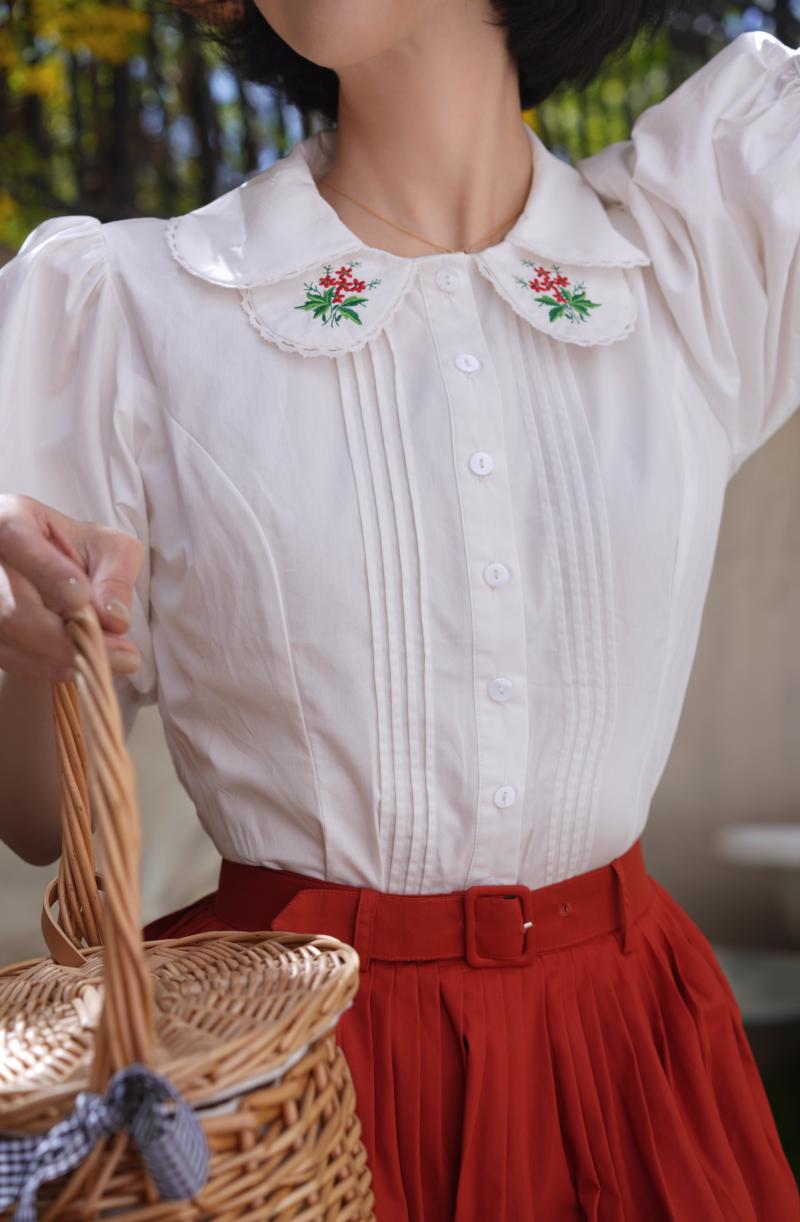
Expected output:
(481, 463)
(466, 362)
(500, 688)
(449, 281)
(496, 574)
(504, 796)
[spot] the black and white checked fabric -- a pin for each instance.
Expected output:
(169, 1138)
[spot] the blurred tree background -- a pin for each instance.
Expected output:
(123, 108)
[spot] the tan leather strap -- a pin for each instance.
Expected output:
(62, 948)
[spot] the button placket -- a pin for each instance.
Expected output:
(498, 613)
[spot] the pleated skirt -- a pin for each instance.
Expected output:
(608, 1078)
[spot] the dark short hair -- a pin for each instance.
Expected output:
(554, 42)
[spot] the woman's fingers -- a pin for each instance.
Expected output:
(38, 638)
(113, 561)
(124, 659)
(25, 546)
(31, 628)
(51, 564)
(30, 665)
(123, 655)
(69, 561)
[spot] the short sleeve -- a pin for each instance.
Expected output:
(711, 177)
(69, 366)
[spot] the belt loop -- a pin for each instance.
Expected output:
(364, 926)
(625, 909)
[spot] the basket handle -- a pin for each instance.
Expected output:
(102, 780)
(80, 911)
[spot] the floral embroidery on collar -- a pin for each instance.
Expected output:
(564, 301)
(330, 302)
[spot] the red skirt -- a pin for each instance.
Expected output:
(568, 1053)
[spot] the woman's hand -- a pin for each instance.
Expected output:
(50, 564)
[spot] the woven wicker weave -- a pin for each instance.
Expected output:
(241, 1023)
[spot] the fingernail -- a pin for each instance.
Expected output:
(75, 593)
(118, 610)
(123, 659)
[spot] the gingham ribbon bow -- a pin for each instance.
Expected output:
(170, 1140)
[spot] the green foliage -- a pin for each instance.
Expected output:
(110, 109)
(579, 123)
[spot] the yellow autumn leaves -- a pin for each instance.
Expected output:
(107, 31)
(42, 42)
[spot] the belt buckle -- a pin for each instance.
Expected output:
(471, 895)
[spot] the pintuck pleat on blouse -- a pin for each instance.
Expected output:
(375, 417)
(588, 1086)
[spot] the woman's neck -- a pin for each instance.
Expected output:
(430, 135)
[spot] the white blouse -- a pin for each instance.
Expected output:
(428, 539)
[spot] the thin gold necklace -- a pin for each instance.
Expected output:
(410, 232)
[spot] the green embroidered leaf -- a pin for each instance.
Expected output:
(551, 301)
(353, 301)
(351, 314)
(556, 312)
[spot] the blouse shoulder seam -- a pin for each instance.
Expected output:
(124, 406)
(111, 272)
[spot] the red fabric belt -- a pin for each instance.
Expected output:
(488, 926)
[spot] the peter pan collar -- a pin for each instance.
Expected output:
(309, 285)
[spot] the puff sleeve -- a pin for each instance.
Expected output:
(711, 176)
(70, 370)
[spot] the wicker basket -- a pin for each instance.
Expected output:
(240, 1025)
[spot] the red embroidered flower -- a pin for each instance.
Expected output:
(333, 300)
(562, 300)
